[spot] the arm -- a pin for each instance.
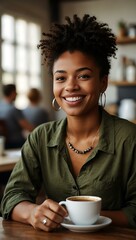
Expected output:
(19, 201)
(118, 217)
(26, 125)
(126, 215)
(30, 213)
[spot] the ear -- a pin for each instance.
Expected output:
(104, 83)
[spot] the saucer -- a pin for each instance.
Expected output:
(101, 223)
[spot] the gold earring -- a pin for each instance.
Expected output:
(53, 105)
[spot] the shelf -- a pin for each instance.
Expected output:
(125, 40)
(122, 83)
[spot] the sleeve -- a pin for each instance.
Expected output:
(25, 180)
(130, 203)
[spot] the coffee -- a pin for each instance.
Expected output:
(83, 200)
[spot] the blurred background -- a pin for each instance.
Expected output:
(21, 27)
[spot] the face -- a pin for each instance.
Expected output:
(77, 84)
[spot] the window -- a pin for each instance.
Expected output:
(20, 58)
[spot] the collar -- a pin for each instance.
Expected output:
(58, 136)
(107, 138)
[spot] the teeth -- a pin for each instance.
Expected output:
(73, 99)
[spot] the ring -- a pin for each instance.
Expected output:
(44, 221)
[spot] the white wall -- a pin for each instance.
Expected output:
(110, 12)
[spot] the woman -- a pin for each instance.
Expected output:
(88, 153)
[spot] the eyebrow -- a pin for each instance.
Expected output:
(78, 70)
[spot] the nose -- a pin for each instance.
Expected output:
(71, 84)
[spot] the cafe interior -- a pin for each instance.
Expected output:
(21, 27)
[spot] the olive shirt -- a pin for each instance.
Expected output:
(109, 171)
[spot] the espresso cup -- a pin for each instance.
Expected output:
(83, 210)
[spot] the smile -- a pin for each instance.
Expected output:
(73, 99)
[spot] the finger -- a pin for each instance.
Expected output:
(55, 207)
(53, 216)
(49, 225)
(50, 210)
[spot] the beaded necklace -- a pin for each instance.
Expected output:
(83, 151)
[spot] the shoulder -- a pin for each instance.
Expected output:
(50, 127)
(17, 111)
(121, 126)
(124, 124)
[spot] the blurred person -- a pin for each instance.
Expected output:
(14, 118)
(90, 152)
(34, 113)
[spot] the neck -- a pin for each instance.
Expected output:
(80, 128)
(8, 100)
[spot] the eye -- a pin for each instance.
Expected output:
(60, 78)
(84, 76)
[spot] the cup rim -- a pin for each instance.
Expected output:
(83, 197)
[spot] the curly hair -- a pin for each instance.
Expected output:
(86, 35)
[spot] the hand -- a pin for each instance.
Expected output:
(49, 210)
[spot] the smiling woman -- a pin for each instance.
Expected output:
(90, 152)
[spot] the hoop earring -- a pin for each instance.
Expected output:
(103, 99)
(53, 105)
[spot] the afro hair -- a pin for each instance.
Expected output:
(86, 35)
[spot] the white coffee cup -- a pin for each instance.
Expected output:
(83, 210)
(2, 145)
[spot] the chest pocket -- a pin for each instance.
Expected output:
(111, 193)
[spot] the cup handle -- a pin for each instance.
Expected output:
(63, 203)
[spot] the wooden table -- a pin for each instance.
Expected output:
(10, 230)
(8, 161)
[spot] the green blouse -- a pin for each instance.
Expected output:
(109, 171)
